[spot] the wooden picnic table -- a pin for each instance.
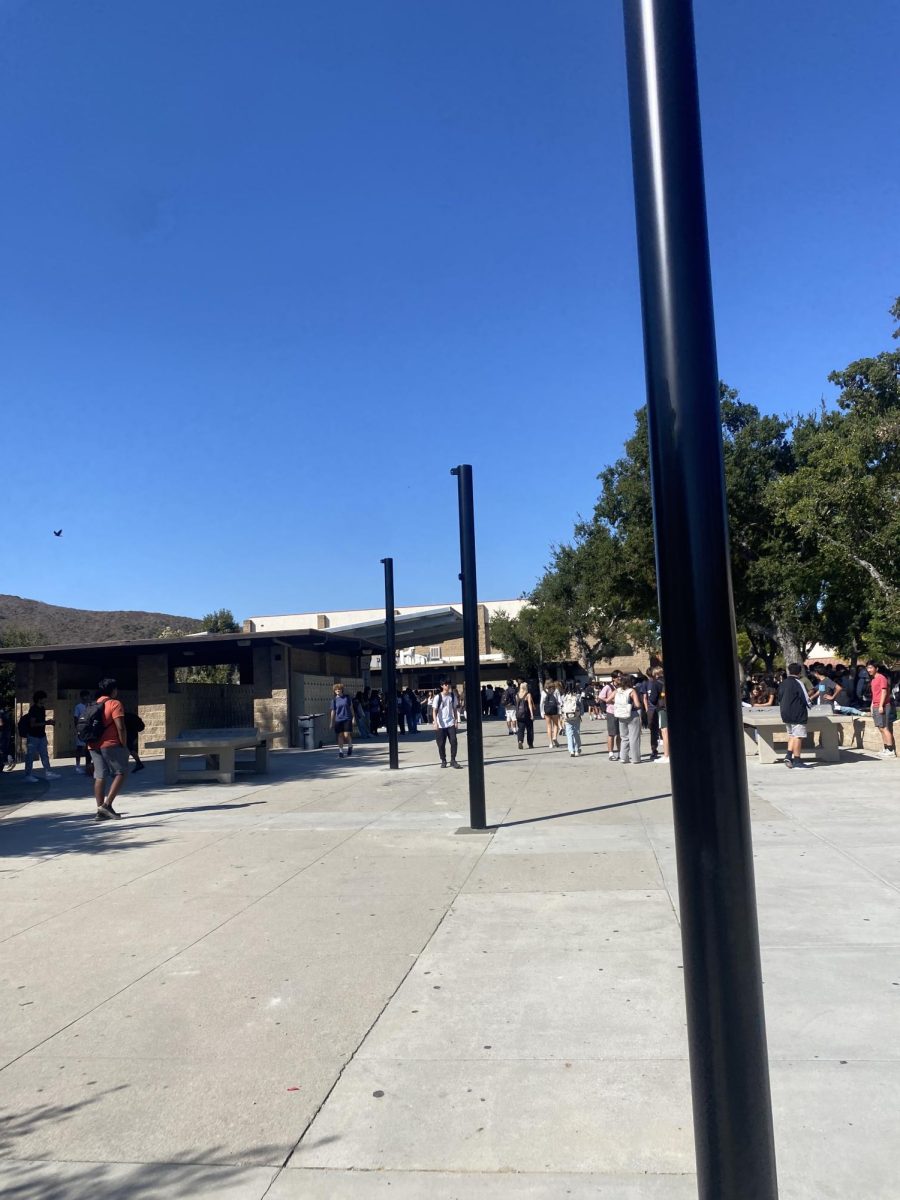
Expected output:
(766, 724)
(219, 747)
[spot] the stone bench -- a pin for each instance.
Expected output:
(219, 747)
(763, 726)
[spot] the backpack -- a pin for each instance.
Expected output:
(90, 725)
(570, 706)
(523, 712)
(551, 705)
(622, 706)
(24, 725)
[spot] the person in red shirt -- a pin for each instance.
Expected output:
(110, 754)
(883, 711)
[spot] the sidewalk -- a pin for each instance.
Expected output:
(309, 985)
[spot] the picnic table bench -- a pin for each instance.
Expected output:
(763, 725)
(219, 746)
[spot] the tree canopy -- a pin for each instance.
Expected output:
(814, 520)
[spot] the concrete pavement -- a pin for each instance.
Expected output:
(309, 985)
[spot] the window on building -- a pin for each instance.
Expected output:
(434, 654)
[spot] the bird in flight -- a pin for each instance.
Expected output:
(57, 533)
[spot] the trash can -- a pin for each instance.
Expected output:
(309, 731)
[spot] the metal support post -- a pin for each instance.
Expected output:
(474, 739)
(389, 665)
(720, 939)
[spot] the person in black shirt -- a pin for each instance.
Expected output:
(650, 699)
(793, 702)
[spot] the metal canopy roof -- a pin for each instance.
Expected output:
(200, 648)
(412, 629)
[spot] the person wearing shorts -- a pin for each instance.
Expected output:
(342, 720)
(883, 712)
(793, 703)
(110, 754)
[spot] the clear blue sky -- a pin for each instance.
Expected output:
(268, 270)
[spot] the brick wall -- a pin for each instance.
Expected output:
(270, 693)
(153, 695)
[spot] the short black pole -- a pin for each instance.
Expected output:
(474, 740)
(389, 665)
(720, 939)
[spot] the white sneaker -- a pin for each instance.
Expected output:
(662, 759)
(885, 753)
(79, 770)
(30, 779)
(52, 775)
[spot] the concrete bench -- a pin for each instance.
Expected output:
(766, 724)
(219, 747)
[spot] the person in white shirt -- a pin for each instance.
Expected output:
(445, 712)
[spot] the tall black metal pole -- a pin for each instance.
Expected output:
(474, 740)
(726, 1022)
(389, 665)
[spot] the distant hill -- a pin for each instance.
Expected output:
(52, 625)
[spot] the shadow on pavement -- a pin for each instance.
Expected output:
(201, 1174)
(578, 812)
(50, 835)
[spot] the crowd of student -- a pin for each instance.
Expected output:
(629, 704)
(872, 689)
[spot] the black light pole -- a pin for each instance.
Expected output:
(389, 665)
(720, 939)
(474, 740)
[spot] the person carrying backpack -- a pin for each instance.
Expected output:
(102, 729)
(33, 728)
(572, 709)
(81, 749)
(525, 717)
(627, 711)
(550, 712)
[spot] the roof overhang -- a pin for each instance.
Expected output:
(411, 629)
(197, 649)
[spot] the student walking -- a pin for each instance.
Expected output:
(627, 711)
(550, 712)
(525, 717)
(108, 746)
(341, 720)
(509, 707)
(33, 727)
(572, 709)
(445, 709)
